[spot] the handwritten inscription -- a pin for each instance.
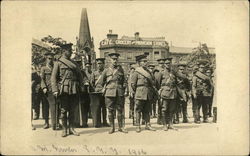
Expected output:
(96, 150)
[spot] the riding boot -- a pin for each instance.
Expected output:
(138, 119)
(112, 124)
(72, 130)
(120, 124)
(197, 118)
(170, 122)
(215, 114)
(164, 122)
(64, 127)
(185, 118)
(148, 127)
(46, 125)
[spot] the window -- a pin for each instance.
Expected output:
(156, 55)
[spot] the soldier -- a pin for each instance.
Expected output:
(95, 78)
(183, 88)
(88, 72)
(113, 83)
(199, 84)
(208, 92)
(160, 68)
(48, 100)
(66, 82)
(36, 79)
(166, 83)
(131, 96)
(143, 88)
(153, 106)
(82, 109)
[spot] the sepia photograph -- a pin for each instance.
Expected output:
(126, 78)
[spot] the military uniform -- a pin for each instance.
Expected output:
(36, 79)
(113, 81)
(66, 79)
(183, 88)
(166, 82)
(49, 100)
(200, 84)
(158, 70)
(142, 84)
(95, 78)
(131, 97)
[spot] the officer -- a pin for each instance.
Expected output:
(199, 84)
(88, 72)
(82, 109)
(66, 82)
(153, 106)
(183, 89)
(143, 88)
(48, 100)
(160, 68)
(35, 79)
(131, 98)
(113, 83)
(208, 92)
(166, 83)
(95, 78)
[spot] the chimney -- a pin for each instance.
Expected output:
(112, 36)
(137, 36)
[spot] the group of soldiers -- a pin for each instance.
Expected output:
(63, 87)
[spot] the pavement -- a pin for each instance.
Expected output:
(190, 138)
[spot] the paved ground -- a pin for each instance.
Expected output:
(189, 139)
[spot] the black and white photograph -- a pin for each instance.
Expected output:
(126, 78)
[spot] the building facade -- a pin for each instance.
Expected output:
(180, 54)
(129, 47)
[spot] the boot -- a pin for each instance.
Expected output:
(112, 124)
(205, 120)
(197, 118)
(215, 114)
(138, 118)
(32, 127)
(120, 124)
(72, 131)
(165, 127)
(185, 119)
(176, 118)
(46, 125)
(64, 127)
(170, 123)
(148, 127)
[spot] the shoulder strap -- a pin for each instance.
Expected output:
(144, 73)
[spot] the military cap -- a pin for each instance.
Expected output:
(49, 53)
(181, 65)
(139, 57)
(67, 46)
(202, 62)
(88, 63)
(168, 59)
(151, 65)
(114, 54)
(161, 61)
(100, 59)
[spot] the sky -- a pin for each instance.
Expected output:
(183, 24)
